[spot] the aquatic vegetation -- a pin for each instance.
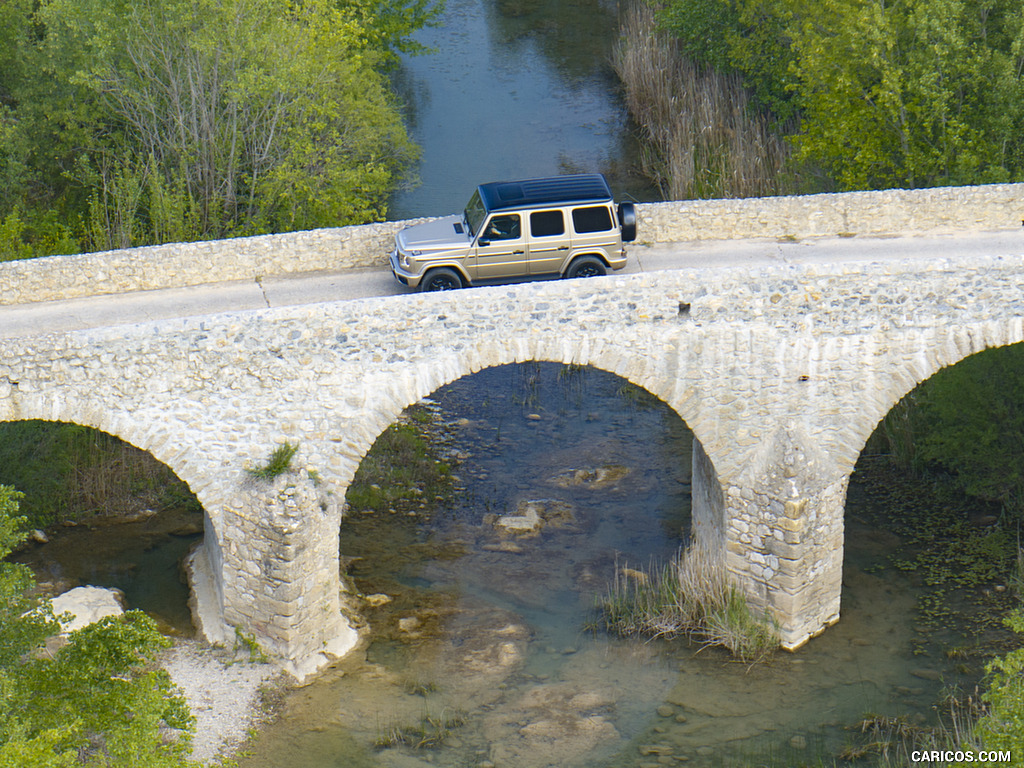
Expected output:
(948, 545)
(735, 626)
(403, 466)
(421, 687)
(693, 596)
(429, 732)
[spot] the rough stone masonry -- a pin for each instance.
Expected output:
(781, 372)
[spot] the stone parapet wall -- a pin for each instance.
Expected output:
(889, 212)
(176, 265)
(945, 209)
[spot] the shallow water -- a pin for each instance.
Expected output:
(484, 646)
(141, 558)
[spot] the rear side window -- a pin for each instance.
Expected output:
(547, 223)
(594, 219)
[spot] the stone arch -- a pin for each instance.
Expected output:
(59, 412)
(152, 437)
(813, 518)
(156, 439)
(708, 512)
(928, 353)
(436, 371)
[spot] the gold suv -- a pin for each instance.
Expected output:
(562, 226)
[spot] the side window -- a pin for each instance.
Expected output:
(547, 223)
(503, 227)
(595, 219)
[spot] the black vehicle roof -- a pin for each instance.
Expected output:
(578, 188)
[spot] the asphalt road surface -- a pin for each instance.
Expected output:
(25, 320)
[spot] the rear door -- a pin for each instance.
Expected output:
(549, 241)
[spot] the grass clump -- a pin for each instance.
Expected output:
(277, 464)
(692, 595)
(429, 732)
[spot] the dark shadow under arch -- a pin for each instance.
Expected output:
(114, 516)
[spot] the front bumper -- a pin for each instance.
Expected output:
(401, 275)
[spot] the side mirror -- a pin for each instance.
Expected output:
(483, 241)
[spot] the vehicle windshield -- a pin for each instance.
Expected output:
(474, 214)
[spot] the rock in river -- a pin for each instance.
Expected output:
(534, 514)
(598, 477)
(87, 605)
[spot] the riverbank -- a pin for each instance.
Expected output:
(229, 694)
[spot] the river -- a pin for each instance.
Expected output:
(515, 89)
(484, 653)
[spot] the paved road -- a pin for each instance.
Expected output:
(127, 308)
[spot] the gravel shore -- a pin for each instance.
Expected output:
(223, 692)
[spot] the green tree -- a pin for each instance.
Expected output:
(127, 123)
(227, 118)
(889, 93)
(97, 701)
(910, 93)
(971, 423)
(1002, 728)
(748, 37)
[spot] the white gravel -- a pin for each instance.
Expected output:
(223, 692)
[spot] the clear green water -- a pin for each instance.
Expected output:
(142, 559)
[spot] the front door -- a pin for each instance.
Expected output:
(501, 248)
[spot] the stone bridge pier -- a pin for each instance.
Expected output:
(269, 569)
(779, 529)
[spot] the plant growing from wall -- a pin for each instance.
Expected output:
(278, 463)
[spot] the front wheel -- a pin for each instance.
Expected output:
(586, 266)
(441, 279)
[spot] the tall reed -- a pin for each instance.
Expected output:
(704, 139)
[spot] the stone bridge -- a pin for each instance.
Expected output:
(781, 373)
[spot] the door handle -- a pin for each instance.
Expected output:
(518, 253)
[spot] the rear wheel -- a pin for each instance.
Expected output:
(586, 266)
(441, 279)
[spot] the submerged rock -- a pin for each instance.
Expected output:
(598, 477)
(485, 648)
(534, 514)
(560, 721)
